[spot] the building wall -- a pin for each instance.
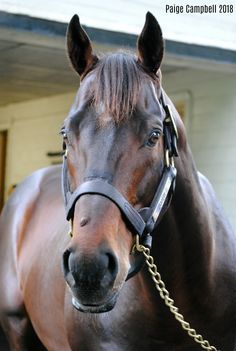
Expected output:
(211, 126)
(33, 131)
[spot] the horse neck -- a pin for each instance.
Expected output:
(183, 242)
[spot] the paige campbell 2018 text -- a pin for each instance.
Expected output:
(201, 9)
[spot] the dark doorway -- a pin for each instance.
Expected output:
(3, 149)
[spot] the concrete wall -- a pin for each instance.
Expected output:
(211, 125)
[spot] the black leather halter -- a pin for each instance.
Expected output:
(143, 221)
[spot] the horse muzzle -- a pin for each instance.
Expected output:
(91, 279)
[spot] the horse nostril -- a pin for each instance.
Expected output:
(66, 267)
(108, 269)
(65, 262)
(112, 265)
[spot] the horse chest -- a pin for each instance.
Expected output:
(123, 338)
(124, 331)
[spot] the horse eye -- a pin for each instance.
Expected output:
(152, 140)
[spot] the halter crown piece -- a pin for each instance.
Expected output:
(142, 221)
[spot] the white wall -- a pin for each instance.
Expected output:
(33, 130)
(211, 127)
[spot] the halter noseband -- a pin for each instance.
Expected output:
(142, 221)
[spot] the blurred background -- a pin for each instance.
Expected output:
(37, 85)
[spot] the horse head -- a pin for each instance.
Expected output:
(114, 137)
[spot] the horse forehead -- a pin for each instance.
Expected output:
(83, 94)
(114, 137)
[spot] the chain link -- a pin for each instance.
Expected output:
(164, 294)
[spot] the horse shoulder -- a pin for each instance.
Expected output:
(223, 250)
(16, 216)
(33, 213)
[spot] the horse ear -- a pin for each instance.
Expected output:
(79, 47)
(150, 44)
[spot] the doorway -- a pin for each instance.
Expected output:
(3, 149)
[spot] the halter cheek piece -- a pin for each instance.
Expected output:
(143, 221)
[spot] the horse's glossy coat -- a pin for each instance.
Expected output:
(109, 134)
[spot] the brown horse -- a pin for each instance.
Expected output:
(118, 179)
